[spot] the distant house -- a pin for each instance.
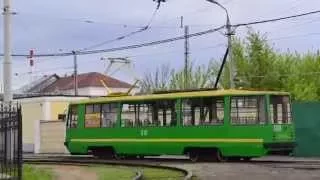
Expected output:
(45, 98)
(89, 84)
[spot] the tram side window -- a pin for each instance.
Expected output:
(248, 110)
(165, 113)
(93, 116)
(280, 110)
(136, 115)
(156, 113)
(203, 111)
(72, 117)
(109, 115)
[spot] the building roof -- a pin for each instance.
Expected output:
(205, 93)
(37, 85)
(92, 79)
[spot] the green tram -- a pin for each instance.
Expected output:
(208, 124)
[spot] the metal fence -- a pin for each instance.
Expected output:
(307, 122)
(10, 141)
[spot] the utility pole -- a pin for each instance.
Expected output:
(7, 62)
(229, 35)
(75, 76)
(186, 55)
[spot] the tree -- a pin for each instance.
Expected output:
(159, 80)
(165, 78)
(258, 66)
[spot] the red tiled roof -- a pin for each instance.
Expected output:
(91, 79)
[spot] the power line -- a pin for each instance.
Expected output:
(178, 51)
(44, 70)
(165, 40)
(151, 43)
(276, 19)
(123, 47)
(146, 27)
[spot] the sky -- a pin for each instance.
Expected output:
(63, 26)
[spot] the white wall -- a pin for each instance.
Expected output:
(34, 110)
(96, 91)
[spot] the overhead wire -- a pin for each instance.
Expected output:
(166, 40)
(276, 19)
(44, 70)
(123, 47)
(144, 28)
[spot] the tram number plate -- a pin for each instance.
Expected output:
(144, 132)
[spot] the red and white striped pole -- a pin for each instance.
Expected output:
(31, 63)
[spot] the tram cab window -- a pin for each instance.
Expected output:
(203, 111)
(248, 110)
(109, 115)
(153, 113)
(72, 117)
(93, 116)
(280, 110)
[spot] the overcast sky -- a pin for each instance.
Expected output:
(60, 26)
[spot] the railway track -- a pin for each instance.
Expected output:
(87, 161)
(183, 164)
(302, 165)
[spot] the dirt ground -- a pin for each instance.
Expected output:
(250, 171)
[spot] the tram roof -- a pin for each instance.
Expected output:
(180, 94)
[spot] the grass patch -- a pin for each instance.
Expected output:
(113, 172)
(33, 173)
(154, 173)
(124, 173)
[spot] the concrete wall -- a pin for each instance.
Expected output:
(36, 109)
(52, 135)
(30, 113)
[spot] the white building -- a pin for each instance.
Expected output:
(49, 96)
(89, 84)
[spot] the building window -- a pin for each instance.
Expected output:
(109, 115)
(72, 117)
(248, 110)
(203, 111)
(280, 110)
(155, 113)
(93, 116)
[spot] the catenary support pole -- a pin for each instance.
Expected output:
(186, 56)
(7, 62)
(75, 74)
(229, 35)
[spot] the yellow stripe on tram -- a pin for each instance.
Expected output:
(171, 140)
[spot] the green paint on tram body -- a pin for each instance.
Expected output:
(237, 123)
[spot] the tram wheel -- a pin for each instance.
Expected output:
(246, 159)
(219, 157)
(194, 156)
(117, 156)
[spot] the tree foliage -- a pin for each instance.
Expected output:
(258, 65)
